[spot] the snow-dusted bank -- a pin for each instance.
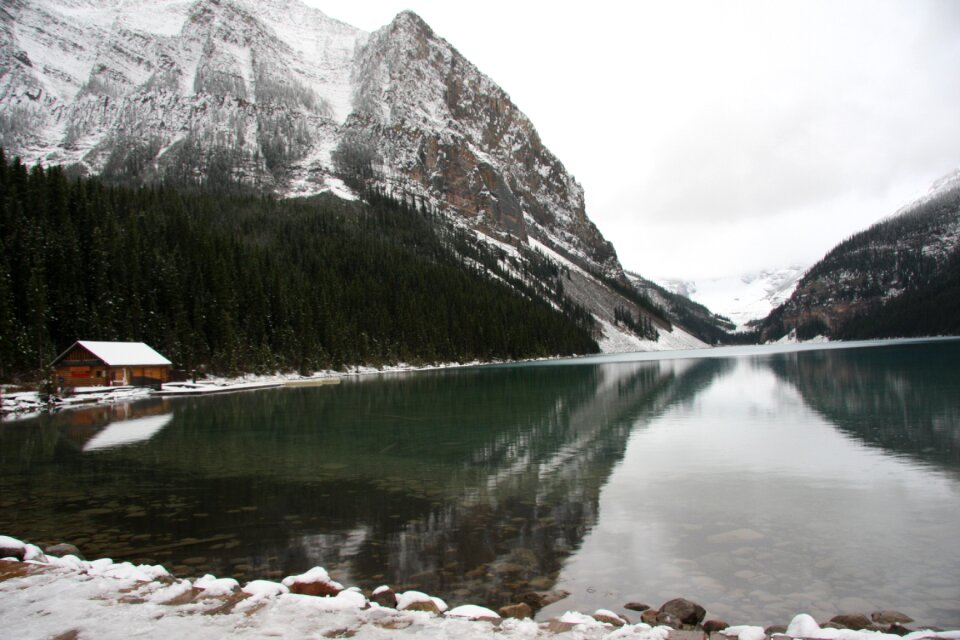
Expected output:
(28, 404)
(46, 596)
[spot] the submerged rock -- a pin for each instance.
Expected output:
(63, 549)
(686, 611)
(713, 626)
(889, 616)
(540, 599)
(668, 620)
(649, 616)
(852, 621)
(636, 606)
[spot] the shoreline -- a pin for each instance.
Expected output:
(21, 405)
(48, 595)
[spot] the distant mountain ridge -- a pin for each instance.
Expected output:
(743, 298)
(900, 277)
(277, 97)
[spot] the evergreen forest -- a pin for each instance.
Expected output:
(848, 294)
(933, 310)
(248, 283)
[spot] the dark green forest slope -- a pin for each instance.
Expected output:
(898, 278)
(248, 283)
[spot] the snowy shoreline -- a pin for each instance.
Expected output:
(43, 595)
(28, 404)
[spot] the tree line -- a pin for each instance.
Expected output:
(249, 283)
(913, 253)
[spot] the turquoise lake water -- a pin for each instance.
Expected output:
(759, 482)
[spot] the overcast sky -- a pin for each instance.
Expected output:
(717, 138)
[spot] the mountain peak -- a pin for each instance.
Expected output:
(276, 96)
(409, 19)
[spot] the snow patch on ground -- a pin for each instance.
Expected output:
(556, 257)
(617, 340)
(791, 338)
(46, 596)
(473, 612)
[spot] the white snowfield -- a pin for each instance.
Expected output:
(45, 597)
(741, 298)
(616, 340)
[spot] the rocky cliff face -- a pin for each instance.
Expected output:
(191, 91)
(275, 96)
(448, 130)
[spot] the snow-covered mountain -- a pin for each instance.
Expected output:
(899, 277)
(741, 298)
(275, 96)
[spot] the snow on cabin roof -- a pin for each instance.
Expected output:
(120, 354)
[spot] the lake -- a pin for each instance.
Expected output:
(760, 482)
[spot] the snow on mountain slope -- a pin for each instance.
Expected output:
(616, 340)
(912, 252)
(741, 298)
(947, 183)
(454, 136)
(275, 96)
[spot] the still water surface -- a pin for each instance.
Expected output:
(760, 483)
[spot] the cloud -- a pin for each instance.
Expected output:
(822, 111)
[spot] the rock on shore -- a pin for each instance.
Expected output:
(45, 596)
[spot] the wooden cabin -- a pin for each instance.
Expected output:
(96, 364)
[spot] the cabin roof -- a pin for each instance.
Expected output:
(119, 354)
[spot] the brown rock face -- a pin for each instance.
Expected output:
(10, 569)
(600, 617)
(713, 626)
(557, 627)
(12, 552)
(649, 616)
(321, 589)
(448, 133)
(519, 611)
(423, 605)
(387, 598)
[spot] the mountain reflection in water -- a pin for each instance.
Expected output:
(772, 492)
(761, 484)
(474, 484)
